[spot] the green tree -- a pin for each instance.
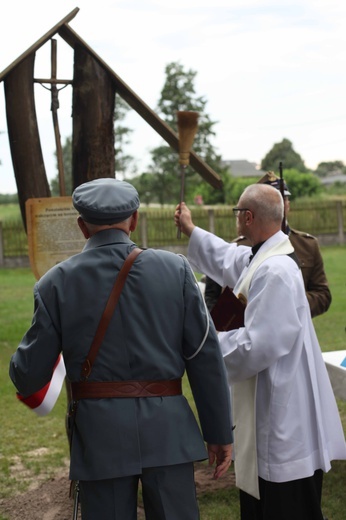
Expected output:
(212, 196)
(336, 189)
(177, 94)
(8, 198)
(283, 152)
(67, 162)
(144, 185)
(302, 184)
(325, 168)
(124, 163)
(236, 187)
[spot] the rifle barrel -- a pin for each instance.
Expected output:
(282, 191)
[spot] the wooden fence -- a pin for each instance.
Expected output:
(324, 219)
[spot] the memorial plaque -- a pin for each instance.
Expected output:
(53, 232)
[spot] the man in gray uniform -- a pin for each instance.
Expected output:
(159, 330)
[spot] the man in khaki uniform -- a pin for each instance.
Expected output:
(310, 260)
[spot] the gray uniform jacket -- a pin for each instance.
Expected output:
(155, 333)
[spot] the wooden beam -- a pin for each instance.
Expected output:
(93, 126)
(23, 134)
(54, 81)
(135, 102)
(39, 43)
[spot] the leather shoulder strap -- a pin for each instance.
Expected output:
(108, 313)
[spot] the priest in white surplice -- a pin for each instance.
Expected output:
(287, 425)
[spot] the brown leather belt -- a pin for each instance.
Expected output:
(106, 389)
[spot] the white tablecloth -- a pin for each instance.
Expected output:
(337, 373)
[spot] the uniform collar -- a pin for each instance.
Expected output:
(108, 236)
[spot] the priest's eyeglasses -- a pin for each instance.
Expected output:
(236, 211)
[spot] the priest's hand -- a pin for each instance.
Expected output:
(183, 219)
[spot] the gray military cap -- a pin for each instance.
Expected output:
(105, 201)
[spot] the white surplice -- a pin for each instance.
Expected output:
(297, 424)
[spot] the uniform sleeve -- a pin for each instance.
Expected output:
(32, 365)
(316, 284)
(211, 293)
(311, 263)
(205, 367)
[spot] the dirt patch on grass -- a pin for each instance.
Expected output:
(49, 500)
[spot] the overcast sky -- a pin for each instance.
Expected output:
(267, 69)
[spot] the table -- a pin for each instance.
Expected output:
(336, 371)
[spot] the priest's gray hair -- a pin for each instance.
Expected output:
(264, 201)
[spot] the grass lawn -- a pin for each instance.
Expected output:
(9, 212)
(32, 446)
